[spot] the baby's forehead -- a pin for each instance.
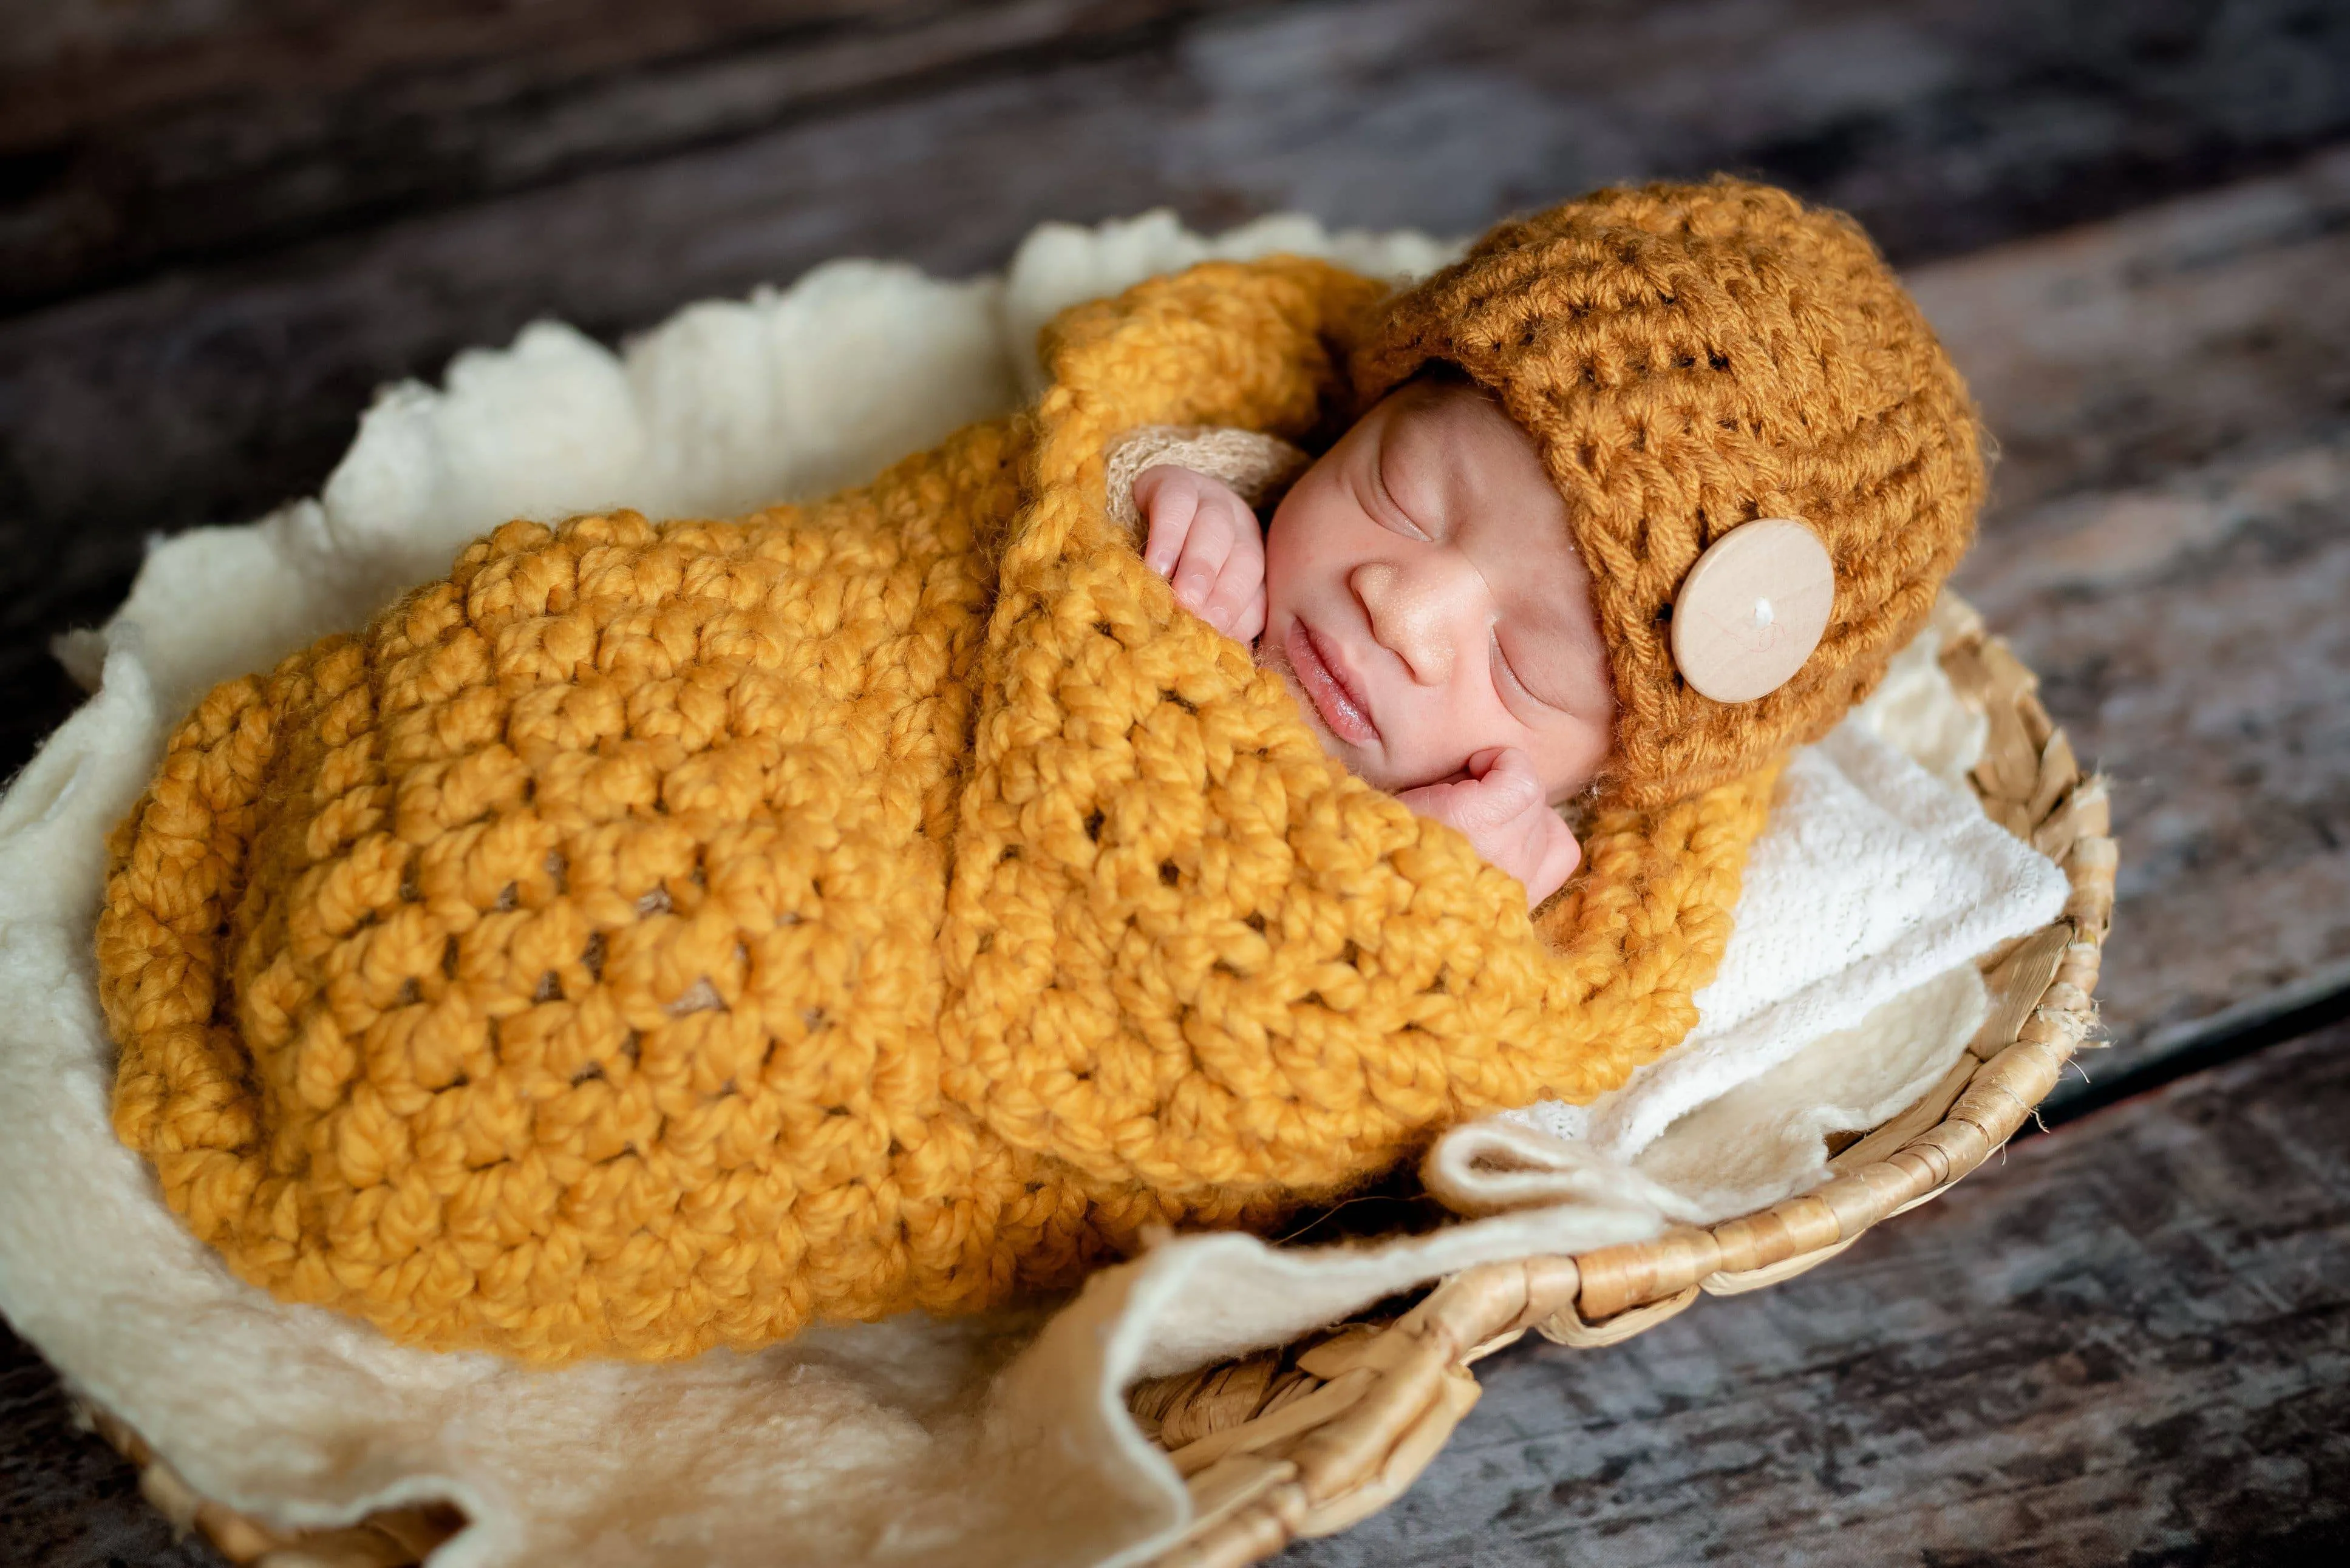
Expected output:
(1458, 419)
(1455, 438)
(1439, 400)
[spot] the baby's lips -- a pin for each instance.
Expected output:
(1341, 712)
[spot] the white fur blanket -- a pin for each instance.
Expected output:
(1001, 1439)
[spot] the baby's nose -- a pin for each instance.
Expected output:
(1416, 614)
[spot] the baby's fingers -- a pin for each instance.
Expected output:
(1249, 624)
(1228, 600)
(1173, 509)
(1204, 555)
(1507, 787)
(1238, 591)
(1561, 852)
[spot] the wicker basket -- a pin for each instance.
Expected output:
(1311, 1438)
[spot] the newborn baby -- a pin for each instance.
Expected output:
(1419, 589)
(646, 937)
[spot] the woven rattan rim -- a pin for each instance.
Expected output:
(1308, 1440)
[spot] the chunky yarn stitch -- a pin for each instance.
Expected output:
(1689, 357)
(647, 938)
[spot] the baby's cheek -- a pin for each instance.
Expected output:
(1567, 757)
(1438, 736)
(1283, 573)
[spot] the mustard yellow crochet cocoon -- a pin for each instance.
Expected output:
(652, 937)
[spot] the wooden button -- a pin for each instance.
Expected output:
(1753, 608)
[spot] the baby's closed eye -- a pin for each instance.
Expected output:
(1524, 667)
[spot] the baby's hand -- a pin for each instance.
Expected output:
(1500, 808)
(1205, 540)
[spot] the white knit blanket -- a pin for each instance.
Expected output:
(1000, 1439)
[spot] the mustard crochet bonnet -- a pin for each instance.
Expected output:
(1690, 358)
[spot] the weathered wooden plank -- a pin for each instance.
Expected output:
(1948, 124)
(265, 124)
(2169, 550)
(2127, 1343)
(78, 65)
(2115, 354)
(2191, 636)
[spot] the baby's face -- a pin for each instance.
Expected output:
(1423, 596)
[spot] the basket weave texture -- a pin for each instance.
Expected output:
(1313, 1438)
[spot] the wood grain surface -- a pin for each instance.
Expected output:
(2129, 1343)
(2168, 547)
(145, 135)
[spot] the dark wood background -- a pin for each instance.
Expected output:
(223, 225)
